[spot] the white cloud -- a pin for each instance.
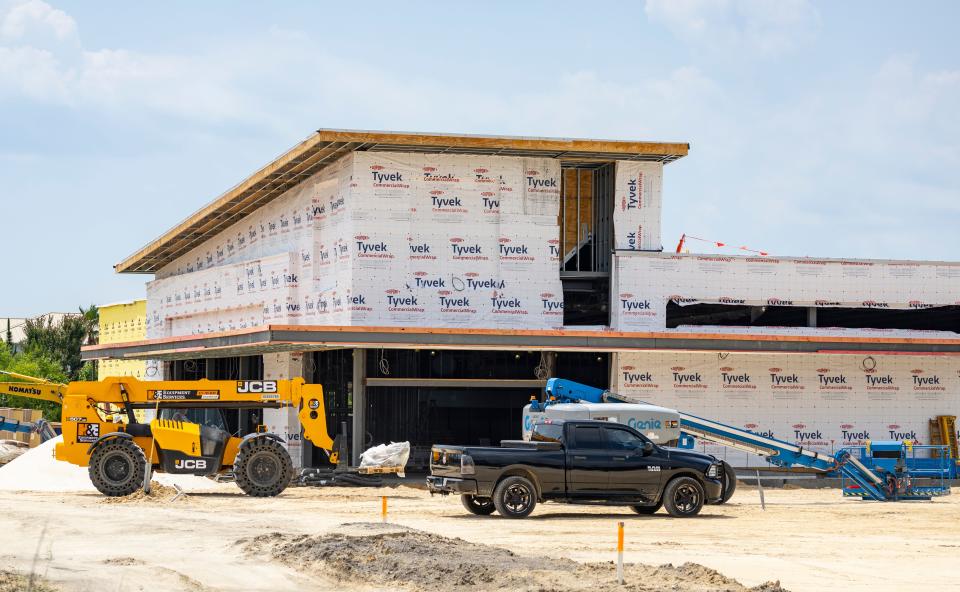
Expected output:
(25, 20)
(759, 26)
(816, 171)
(31, 72)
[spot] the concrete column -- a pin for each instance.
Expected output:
(614, 367)
(284, 422)
(359, 405)
(812, 316)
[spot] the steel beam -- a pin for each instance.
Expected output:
(359, 405)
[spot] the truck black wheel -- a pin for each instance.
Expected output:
(647, 510)
(729, 482)
(481, 506)
(117, 467)
(683, 497)
(515, 497)
(263, 467)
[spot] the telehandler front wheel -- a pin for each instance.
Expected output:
(263, 467)
(117, 467)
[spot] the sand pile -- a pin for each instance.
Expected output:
(38, 470)
(158, 493)
(394, 556)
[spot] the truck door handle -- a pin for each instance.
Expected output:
(579, 458)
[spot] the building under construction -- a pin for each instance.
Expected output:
(432, 283)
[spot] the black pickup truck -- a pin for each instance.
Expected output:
(579, 462)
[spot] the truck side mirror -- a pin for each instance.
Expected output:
(647, 448)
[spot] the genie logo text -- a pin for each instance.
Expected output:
(644, 424)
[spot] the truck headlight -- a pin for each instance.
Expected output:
(466, 465)
(713, 471)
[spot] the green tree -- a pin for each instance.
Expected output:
(51, 350)
(31, 363)
(62, 340)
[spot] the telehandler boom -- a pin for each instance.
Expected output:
(188, 434)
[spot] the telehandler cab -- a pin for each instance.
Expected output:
(187, 435)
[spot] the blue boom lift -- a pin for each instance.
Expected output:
(882, 471)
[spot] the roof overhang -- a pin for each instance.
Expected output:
(281, 338)
(326, 146)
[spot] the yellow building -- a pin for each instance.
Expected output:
(119, 323)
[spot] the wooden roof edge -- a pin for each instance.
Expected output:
(677, 149)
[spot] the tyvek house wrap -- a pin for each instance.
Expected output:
(381, 239)
(643, 283)
(638, 199)
(819, 401)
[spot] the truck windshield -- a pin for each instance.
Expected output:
(547, 432)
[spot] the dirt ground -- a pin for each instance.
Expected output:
(331, 539)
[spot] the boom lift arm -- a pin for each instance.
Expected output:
(32, 388)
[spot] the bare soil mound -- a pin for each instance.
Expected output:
(395, 556)
(158, 493)
(11, 581)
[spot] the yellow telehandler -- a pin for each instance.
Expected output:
(187, 435)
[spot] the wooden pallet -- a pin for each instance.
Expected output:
(379, 470)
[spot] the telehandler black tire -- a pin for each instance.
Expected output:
(117, 467)
(481, 506)
(263, 467)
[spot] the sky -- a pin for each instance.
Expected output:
(815, 128)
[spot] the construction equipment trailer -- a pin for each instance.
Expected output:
(188, 433)
(877, 472)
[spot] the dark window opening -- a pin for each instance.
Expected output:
(592, 368)
(428, 363)
(942, 318)
(735, 316)
(585, 244)
(586, 300)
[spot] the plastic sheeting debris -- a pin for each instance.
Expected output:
(394, 454)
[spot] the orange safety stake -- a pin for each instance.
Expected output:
(383, 508)
(620, 552)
